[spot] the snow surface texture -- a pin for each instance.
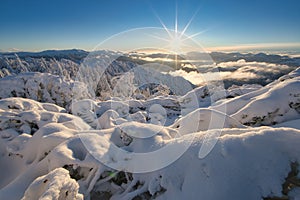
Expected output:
(49, 154)
(254, 160)
(275, 103)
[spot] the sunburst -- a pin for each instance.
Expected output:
(176, 39)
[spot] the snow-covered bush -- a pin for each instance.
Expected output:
(42, 87)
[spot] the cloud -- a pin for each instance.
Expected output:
(199, 78)
(252, 69)
(194, 77)
(13, 50)
(235, 70)
(258, 46)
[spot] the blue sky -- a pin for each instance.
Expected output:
(56, 24)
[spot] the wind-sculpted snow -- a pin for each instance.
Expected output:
(281, 103)
(235, 90)
(293, 74)
(126, 149)
(275, 103)
(29, 131)
(53, 160)
(57, 184)
(205, 116)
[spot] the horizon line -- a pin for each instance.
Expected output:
(230, 48)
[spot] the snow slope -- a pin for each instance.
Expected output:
(275, 103)
(247, 163)
(149, 148)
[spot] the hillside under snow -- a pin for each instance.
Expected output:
(238, 143)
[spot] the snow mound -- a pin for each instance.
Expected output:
(281, 103)
(105, 114)
(50, 154)
(204, 119)
(291, 124)
(57, 184)
(245, 163)
(275, 103)
(239, 167)
(293, 74)
(29, 130)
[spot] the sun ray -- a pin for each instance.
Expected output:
(160, 38)
(176, 22)
(189, 22)
(194, 35)
(162, 23)
(177, 38)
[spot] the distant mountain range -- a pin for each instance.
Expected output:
(71, 54)
(77, 55)
(66, 63)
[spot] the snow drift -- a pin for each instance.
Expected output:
(46, 153)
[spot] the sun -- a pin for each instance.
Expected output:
(176, 44)
(177, 40)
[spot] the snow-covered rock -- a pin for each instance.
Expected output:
(235, 90)
(281, 103)
(29, 130)
(57, 184)
(150, 148)
(275, 103)
(238, 160)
